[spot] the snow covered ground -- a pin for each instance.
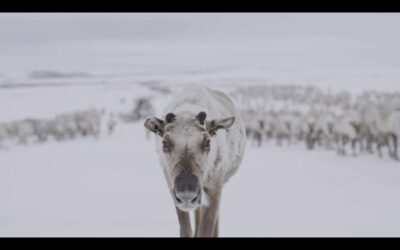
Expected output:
(113, 186)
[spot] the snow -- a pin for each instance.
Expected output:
(114, 186)
(293, 192)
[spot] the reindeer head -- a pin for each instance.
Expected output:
(186, 142)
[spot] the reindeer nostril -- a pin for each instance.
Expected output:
(196, 198)
(177, 199)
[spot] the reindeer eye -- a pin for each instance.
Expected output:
(165, 146)
(206, 145)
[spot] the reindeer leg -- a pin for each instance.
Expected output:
(209, 214)
(369, 145)
(259, 139)
(378, 147)
(197, 217)
(344, 145)
(393, 148)
(361, 145)
(184, 223)
(337, 142)
(341, 145)
(216, 228)
(395, 145)
(353, 146)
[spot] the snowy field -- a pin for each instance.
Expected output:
(114, 186)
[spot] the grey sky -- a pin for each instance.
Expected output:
(111, 41)
(21, 28)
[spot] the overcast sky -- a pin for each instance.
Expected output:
(276, 41)
(28, 28)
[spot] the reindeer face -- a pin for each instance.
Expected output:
(186, 142)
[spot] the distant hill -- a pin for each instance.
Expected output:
(46, 74)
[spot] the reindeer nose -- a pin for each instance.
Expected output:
(187, 189)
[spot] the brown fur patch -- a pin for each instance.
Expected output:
(196, 124)
(168, 144)
(205, 144)
(187, 164)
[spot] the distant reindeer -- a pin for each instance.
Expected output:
(200, 144)
(346, 132)
(111, 124)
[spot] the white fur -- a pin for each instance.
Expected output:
(227, 145)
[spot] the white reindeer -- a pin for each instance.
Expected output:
(200, 144)
(345, 131)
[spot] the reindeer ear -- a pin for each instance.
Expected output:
(170, 117)
(214, 125)
(155, 125)
(201, 117)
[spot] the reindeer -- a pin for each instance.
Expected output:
(200, 144)
(111, 124)
(388, 130)
(322, 132)
(3, 133)
(394, 125)
(255, 127)
(346, 130)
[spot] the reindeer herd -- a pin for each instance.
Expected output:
(59, 128)
(70, 126)
(367, 123)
